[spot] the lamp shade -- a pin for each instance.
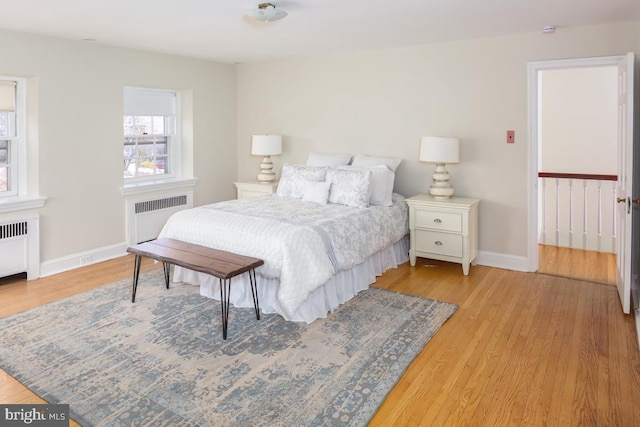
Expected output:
(436, 149)
(266, 145)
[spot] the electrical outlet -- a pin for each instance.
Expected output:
(86, 259)
(511, 137)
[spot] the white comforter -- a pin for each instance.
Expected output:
(303, 244)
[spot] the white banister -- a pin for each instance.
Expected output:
(578, 216)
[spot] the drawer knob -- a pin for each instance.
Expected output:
(437, 220)
(438, 242)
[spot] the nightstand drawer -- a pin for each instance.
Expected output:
(438, 243)
(446, 221)
(253, 189)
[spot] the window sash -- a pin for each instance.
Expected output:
(12, 137)
(151, 142)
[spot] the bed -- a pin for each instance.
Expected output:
(324, 236)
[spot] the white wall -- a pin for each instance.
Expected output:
(382, 102)
(579, 120)
(76, 134)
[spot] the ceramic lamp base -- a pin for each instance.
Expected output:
(440, 188)
(266, 174)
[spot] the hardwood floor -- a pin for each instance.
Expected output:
(523, 349)
(577, 264)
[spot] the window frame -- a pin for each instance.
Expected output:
(17, 146)
(173, 148)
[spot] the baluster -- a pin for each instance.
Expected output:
(599, 216)
(584, 214)
(544, 209)
(570, 213)
(557, 212)
(614, 238)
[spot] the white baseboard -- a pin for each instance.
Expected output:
(55, 266)
(508, 262)
(82, 259)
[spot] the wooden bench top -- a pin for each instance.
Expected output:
(220, 264)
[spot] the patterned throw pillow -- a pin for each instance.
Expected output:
(293, 177)
(350, 187)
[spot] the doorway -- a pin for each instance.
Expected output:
(573, 154)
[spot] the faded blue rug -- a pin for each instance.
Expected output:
(162, 360)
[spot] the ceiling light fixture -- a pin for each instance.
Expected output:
(267, 12)
(549, 29)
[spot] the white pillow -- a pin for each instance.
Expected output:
(316, 192)
(293, 177)
(382, 179)
(350, 187)
(364, 161)
(326, 159)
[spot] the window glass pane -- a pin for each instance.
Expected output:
(158, 125)
(160, 149)
(146, 167)
(4, 178)
(146, 156)
(4, 152)
(162, 165)
(144, 125)
(7, 124)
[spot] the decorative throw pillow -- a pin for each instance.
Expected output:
(316, 191)
(293, 177)
(364, 161)
(327, 159)
(350, 187)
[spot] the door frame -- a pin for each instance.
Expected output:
(533, 101)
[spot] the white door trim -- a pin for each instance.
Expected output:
(533, 101)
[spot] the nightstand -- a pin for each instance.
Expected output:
(443, 229)
(252, 189)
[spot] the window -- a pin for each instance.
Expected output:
(151, 143)
(12, 137)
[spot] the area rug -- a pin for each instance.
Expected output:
(162, 361)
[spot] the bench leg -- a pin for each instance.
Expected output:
(254, 292)
(136, 274)
(225, 289)
(167, 268)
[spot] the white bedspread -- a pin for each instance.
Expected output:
(303, 244)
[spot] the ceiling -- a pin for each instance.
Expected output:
(219, 29)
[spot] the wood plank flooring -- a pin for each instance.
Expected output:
(523, 349)
(577, 264)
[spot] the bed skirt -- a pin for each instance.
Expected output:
(339, 289)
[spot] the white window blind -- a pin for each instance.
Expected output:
(7, 96)
(142, 102)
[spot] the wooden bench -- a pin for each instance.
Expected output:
(220, 264)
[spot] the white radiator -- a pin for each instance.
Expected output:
(145, 218)
(20, 247)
